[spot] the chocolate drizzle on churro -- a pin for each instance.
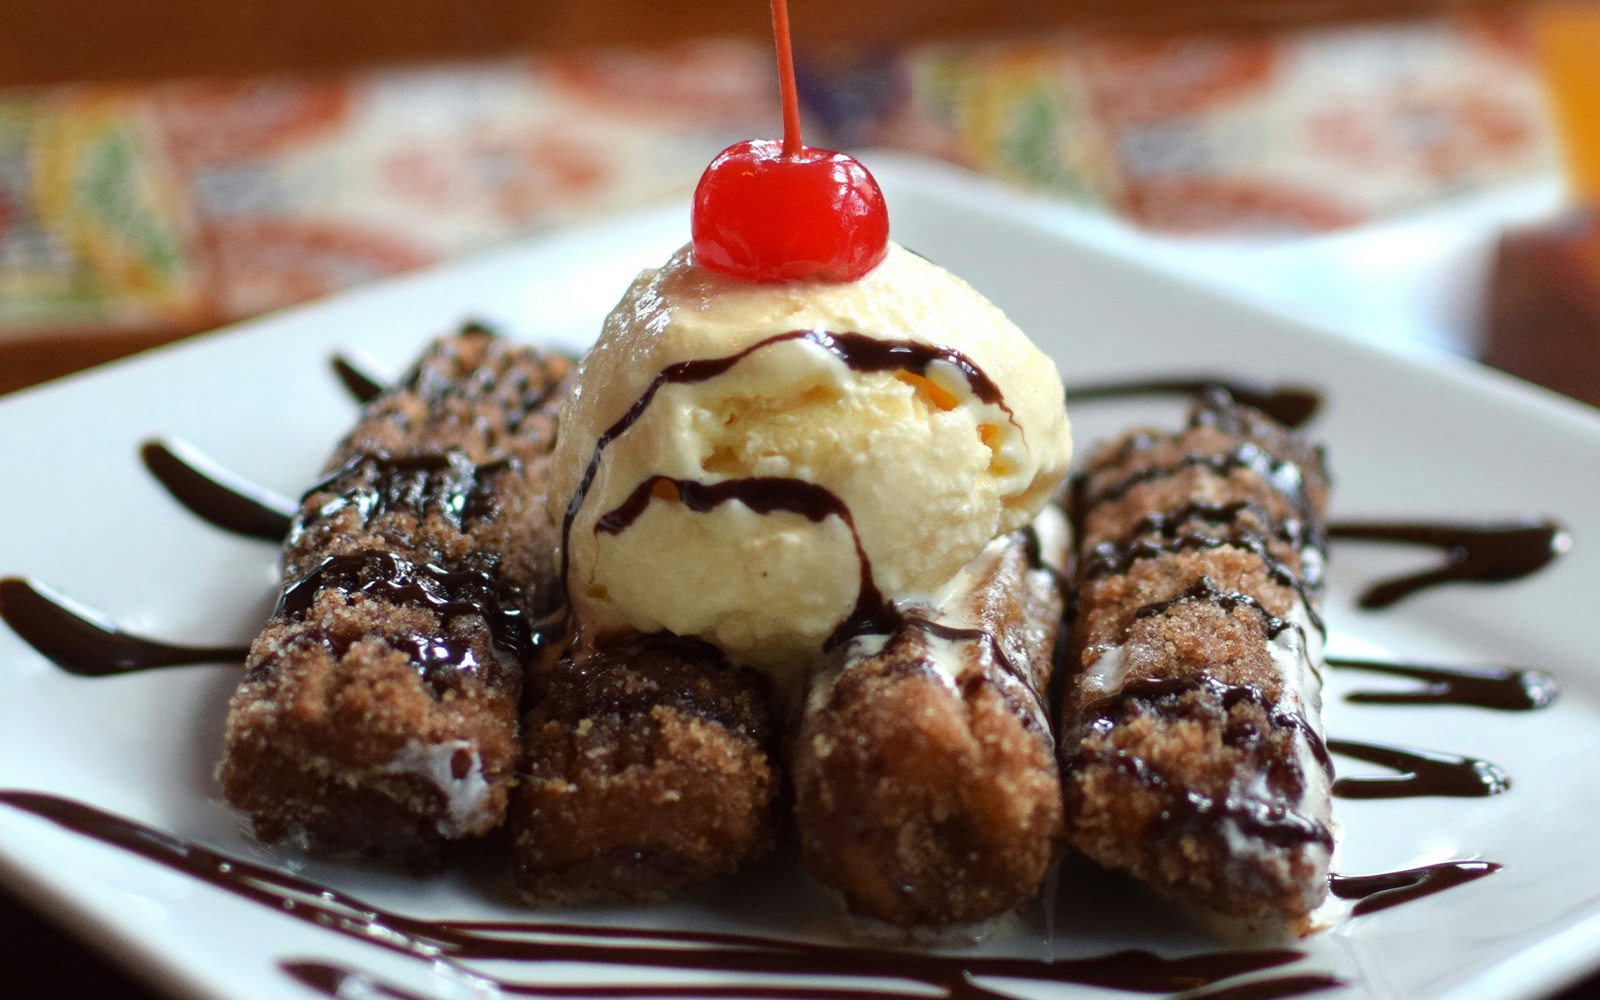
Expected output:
(1204, 591)
(447, 593)
(1151, 692)
(1282, 476)
(1271, 823)
(448, 484)
(1114, 559)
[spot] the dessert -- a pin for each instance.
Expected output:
(786, 446)
(378, 709)
(926, 786)
(1193, 748)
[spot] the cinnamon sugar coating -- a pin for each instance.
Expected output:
(926, 785)
(649, 769)
(1192, 735)
(378, 710)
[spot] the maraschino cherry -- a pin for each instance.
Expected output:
(771, 212)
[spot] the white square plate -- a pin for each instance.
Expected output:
(1407, 437)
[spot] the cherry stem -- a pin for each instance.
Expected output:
(786, 85)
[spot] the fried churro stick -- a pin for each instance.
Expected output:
(649, 768)
(378, 710)
(925, 774)
(1191, 731)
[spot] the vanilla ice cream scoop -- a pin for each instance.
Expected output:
(764, 466)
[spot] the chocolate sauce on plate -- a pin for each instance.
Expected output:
(1419, 773)
(341, 981)
(1507, 689)
(1273, 988)
(455, 942)
(362, 386)
(1380, 892)
(1289, 405)
(1474, 553)
(217, 496)
(84, 644)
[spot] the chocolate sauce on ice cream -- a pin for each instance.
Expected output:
(859, 352)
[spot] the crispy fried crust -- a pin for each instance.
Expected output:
(1192, 734)
(649, 769)
(377, 714)
(926, 786)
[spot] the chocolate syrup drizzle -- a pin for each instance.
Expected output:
(1474, 553)
(1283, 476)
(338, 981)
(453, 943)
(362, 386)
(764, 495)
(769, 495)
(447, 484)
(859, 352)
(1379, 892)
(217, 496)
(1506, 689)
(449, 594)
(1154, 690)
(1169, 526)
(1181, 808)
(86, 645)
(1205, 591)
(1419, 773)
(1114, 559)
(1289, 405)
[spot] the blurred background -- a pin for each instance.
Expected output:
(167, 166)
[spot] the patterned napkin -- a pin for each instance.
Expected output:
(177, 206)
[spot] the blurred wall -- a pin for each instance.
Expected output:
(55, 41)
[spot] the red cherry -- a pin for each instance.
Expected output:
(761, 215)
